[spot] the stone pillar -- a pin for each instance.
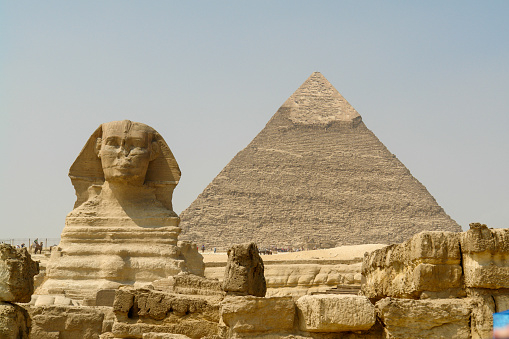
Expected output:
(244, 273)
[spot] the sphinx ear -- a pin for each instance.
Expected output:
(155, 150)
(98, 144)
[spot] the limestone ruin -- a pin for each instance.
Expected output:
(315, 176)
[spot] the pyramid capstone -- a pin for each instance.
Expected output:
(315, 176)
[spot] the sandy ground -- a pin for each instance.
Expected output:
(337, 253)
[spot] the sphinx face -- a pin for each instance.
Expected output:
(125, 150)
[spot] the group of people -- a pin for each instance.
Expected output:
(274, 249)
(203, 249)
(36, 245)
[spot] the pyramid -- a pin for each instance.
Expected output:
(315, 176)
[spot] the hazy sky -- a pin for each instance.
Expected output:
(430, 79)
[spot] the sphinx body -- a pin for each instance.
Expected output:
(123, 229)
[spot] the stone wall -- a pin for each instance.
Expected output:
(435, 285)
(440, 284)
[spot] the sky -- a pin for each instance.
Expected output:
(429, 78)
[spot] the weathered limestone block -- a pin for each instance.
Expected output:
(244, 273)
(485, 257)
(105, 297)
(14, 321)
(190, 284)
(193, 258)
(429, 261)
(335, 313)
(303, 278)
(439, 318)
(50, 322)
(249, 314)
(485, 302)
(140, 311)
(17, 271)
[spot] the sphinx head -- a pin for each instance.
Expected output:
(125, 152)
(126, 148)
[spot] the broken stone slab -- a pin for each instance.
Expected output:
(429, 261)
(485, 257)
(17, 271)
(250, 314)
(14, 321)
(140, 311)
(244, 273)
(438, 318)
(57, 321)
(335, 313)
(185, 283)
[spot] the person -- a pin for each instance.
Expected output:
(202, 248)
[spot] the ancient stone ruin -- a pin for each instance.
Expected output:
(244, 273)
(315, 176)
(17, 272)
(122, 230)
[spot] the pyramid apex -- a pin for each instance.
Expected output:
(316, 101)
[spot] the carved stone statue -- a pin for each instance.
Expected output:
(122, 229)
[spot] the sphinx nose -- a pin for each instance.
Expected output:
(123, 151)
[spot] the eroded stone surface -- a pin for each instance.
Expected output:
(140, 311)
(249, 314)
(58, 321)
(440, 318)
(335, 313)
(485, 257)
(244, 273)
(189, 284)
(14, 321)
(17, 271)
(429, 261)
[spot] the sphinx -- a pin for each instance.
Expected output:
(122, 230)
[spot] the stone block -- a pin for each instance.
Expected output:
(439, 318)
(249, 314)
(485, 257)
(105, 297)
(14, 321)
(429, 261)
(244, 273)
(193, 259)
(335, 313)
(139, 311)
(17, 271)
(65, 322)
